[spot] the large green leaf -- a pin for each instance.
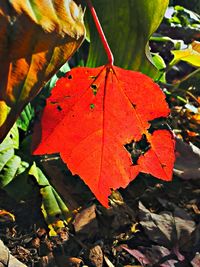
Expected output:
(128, 25)
(36, 39)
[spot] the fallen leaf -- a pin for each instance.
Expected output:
(85, 223)
(90, 117)
(138, 255)
(196, 261)
(187, 164)
(73, 262)
(96, 256)
(36, 39)
(152, 256)
(6, 216)
(169, 229)
(108, 262)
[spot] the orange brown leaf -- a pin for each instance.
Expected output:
(90, 117)
(36, 39)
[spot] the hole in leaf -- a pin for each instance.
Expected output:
(92, 77)
(69, 76)
(136, 149)
(158, 124)
(94, 88)
(59, 108)
(92, 106)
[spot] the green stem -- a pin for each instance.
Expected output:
(188, 76)
(101, 33)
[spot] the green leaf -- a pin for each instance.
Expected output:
(52, 204)
(5, 156)
(15, 179)
(128, 26)
(9, 171)
(190, 55)
(160, 65)
(25, 117)
(19, 181)
(14, 135)
(158, 61)
(7, 149)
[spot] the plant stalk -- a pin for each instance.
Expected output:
(101, 33)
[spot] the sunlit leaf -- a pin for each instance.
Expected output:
(90, 117)
(25, 117)
(36, 39)
(190, 55)
(128, 25)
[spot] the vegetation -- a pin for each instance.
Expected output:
(151, 222)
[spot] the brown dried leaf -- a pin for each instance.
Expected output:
(171, 230)
(36, 39)
(187, 164)
(85, 223)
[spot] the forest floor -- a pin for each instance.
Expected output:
(150, 223)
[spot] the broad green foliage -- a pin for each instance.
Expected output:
(180, 16)
(15, 174)
(128, 26)
(191, 5)
(25, 117)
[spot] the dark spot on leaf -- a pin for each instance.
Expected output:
(134, 105)
(59, 108)
(69, 76)
(92, 77)
(136, 149)
(11, 136)
(163, 165)
(92, 106)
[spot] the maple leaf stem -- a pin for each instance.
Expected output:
(101, 33)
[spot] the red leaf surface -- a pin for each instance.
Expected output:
(90, 117)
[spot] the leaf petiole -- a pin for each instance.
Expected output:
(101, 33)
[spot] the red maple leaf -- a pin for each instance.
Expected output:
(90, 117)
